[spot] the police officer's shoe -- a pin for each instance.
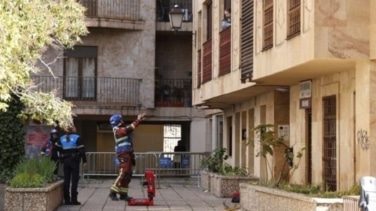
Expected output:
(75, 203)
(113, 196)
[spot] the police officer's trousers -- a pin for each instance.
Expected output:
(71, 175)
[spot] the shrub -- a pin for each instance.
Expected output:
(309, 189)
(34, 172)
(24, 180)
(214, 163)
(12, 139)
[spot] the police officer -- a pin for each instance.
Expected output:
(49, 148)
(72, 152)
(124, 153)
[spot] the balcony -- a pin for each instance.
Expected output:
(93, 91)
(163, 9)
(121, 14)
(173, 93)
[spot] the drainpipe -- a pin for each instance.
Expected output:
(354, 130)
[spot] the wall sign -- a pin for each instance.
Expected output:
(305, 94)
(305, 89)
(305, 103)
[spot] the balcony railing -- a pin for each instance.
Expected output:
(99, 91)
(115, 9)
(164, 7)
(173, 93)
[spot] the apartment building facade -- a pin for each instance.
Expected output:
(305, 66)
(130, 62)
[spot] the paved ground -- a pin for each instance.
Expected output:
(172, 195)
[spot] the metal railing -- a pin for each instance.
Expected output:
(164, 164)
(164, 7)
(116, 9)
(100, 90)
(173, 93)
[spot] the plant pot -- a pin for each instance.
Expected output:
(255, 197)
(223, 186)
(34, 199)
(205, 178)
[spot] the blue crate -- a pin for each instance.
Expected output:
(185, 162)
(166, 162)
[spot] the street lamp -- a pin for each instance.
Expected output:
(176, 17)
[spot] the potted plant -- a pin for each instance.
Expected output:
(34, 186)
(219, 177)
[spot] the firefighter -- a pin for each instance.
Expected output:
(49, 148)
(72, 151)
(124, 154)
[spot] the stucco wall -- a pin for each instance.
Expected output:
(342, 86)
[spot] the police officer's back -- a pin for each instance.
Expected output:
(72, 152)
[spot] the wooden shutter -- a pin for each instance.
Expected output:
(225, 51)
(246, 58)
(207, 61)
(268, 24)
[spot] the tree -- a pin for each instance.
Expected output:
(28, 28)
(268, 142)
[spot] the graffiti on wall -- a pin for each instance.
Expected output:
(362, 138)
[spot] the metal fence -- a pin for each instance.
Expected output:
(164, 164)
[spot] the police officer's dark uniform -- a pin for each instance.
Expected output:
(72, 151)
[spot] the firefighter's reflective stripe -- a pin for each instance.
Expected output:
(123, 143)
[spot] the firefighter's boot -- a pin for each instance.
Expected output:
(124, 196)
(113, 196)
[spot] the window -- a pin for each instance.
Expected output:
(199, 68)
(293, 18)
(229, 133)
(80, 68)
(209, 14)
(219, 127)
(268, 24)
(329, 145)
(171, 136)
(227, 4)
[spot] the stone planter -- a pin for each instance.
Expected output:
(205, 178)
(34, 199)
(254, 197)
(224, 186)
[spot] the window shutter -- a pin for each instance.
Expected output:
(247, 40)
